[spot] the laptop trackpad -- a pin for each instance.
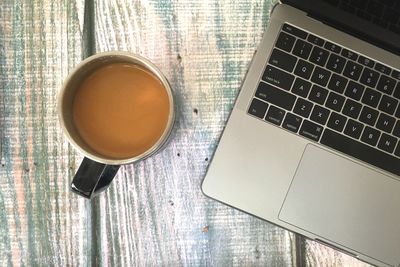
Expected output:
(346, 203)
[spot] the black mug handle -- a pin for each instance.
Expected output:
(92, 177)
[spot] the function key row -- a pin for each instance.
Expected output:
(302, 49)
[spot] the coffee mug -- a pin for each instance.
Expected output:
(115, 108)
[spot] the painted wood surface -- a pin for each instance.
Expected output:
(154, 213)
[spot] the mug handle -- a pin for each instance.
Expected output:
(92, 177)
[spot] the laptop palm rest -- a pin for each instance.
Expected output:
(345, 203)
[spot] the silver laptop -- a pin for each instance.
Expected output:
(312, 144)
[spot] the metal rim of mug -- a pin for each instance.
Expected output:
(153, 69)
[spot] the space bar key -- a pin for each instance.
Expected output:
(361, 151)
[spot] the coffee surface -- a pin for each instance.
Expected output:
(121, 110)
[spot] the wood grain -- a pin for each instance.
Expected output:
(154, 213)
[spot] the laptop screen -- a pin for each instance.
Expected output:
(377, 22)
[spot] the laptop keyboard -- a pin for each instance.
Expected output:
(333, 96)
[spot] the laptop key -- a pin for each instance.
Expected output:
(370, 136)
(318, 94)
(335, 101)
(337, 83)
(361, 151)
(382, 68)
(354, 90)
(366, 61)
(371, 97)
(303, 107)
(319, 114)
(387, 143)
(396, 93)
(258, 108)
(319, 56)
(352, 108)
(275, 115)
(385, 123)
(285, 41)
(315, 40)
(336, 63)
(292, 122)
(352, 70)
(336, 121)
(386, 84)
(349, 54)
(302, 49)
(278, 77)
(311, 130)
(353, 129)
(275, 96)
(388, 104)
(321, 76)
(303, 69)
(369, 77)
(301, 87)
(332, 47)
(368, 115)
(396, 130)
(295, 31)
(282, 60)
(396, 74)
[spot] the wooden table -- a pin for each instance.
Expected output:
(154, 214)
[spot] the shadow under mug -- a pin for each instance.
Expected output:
(97, 171)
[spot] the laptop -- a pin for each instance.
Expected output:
(312, 143)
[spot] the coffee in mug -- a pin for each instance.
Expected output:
(116, 108)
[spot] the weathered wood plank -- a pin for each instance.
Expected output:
(41, 222)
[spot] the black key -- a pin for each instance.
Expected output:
(396, 130)
(397, 114)
(318, 94)
(337, 83)
(302, 107)
(285, 41)
(311, 130)
(292, 122)
(315, 40)
(353, 129)
(361, 151)
(349, 54)
(258, 108)
(382, 68)
(319, 114)
(335, 101)
(319, 56)
(397, 150)
(371, 97)
(303, 69)
(369, 77)
(275, 96)
(386, 84)
(336, 63)
(302, 49)
(275, 115)
(369, 115)
(295, 31)
(301, 87)
(370, 136)
(352, 108)
(332, 47)
(387, 143)
(282, 60)
(278, 78)
(396, 93)
(336, 121)
(320, 76)
(366, 61)
(396, 74)
(354, 90)
(352, 70)
(385, 123)
(388, 104)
